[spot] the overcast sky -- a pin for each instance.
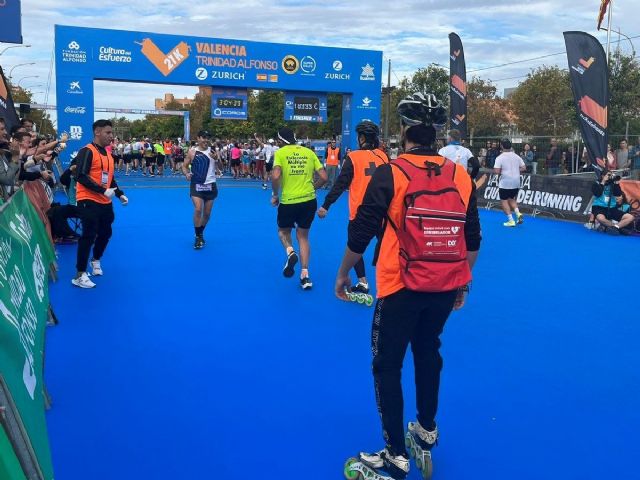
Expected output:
(412, 33)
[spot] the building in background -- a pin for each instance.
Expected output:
(169, 98)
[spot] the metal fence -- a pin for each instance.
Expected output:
(569, 159)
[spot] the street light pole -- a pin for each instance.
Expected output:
(19, 65)
(24, 78)
(386, 120)
(14, 46)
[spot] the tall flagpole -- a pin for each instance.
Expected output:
(609, 31)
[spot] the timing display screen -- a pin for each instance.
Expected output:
(230, 102)
(306, 106)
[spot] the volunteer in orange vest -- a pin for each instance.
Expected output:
(429, 243)
(332, 161)
(94, 191)
(356, 173)
(167, 146)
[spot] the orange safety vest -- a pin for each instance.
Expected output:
(333, 156)
(388, 279)
(99, 163)
(364, 163)
(167, 148)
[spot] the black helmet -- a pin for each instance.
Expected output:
(368, 129)
(420, 109)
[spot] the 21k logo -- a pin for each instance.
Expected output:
(165, 62)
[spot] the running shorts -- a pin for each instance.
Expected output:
(299, 215)
(508, 193)
(206, 192)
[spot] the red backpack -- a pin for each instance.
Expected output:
(433, 249)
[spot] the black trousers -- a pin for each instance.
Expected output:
(96, 231)
(400, 319)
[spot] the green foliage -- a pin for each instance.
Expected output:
(487, 113)
(543, 103)
(432, 79)
(40, 118)
(624, 85)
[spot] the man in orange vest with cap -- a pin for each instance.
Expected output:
(430, 239)
(332, 161)
(95, 188)
(357, 169)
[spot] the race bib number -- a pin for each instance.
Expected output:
(204, 188)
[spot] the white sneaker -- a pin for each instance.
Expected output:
(83, 281)
(96, 269)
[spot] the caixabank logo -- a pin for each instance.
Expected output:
(73, 53)
(167, 62)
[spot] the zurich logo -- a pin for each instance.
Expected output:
(337, 65)
(201, 73)
(73, 45)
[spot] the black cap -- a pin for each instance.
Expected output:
(204, 134)
(287, 136)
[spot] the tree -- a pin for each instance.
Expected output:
(40, 118)
(543, 103)
(487, 113)
(624, 88)
(432, 79)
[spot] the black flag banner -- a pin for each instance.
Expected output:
(458, 85)
(589, 75)
(7, 110)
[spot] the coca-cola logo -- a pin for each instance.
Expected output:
(77, 110)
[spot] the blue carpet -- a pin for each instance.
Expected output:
(188, 364)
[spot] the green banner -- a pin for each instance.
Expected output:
(25, 258)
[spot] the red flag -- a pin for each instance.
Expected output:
(603, 11)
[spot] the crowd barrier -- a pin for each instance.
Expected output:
(27, 259)
(566, 197)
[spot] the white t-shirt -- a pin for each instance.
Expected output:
(509, 164)
(456, 153)
(268, 152)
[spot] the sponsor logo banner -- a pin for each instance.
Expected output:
(458, 85)
(562, 197)
(590, 84)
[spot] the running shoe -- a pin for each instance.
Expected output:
(83, 281)
(96, 268)
(292, 259)
(509, 223)
(199, 243)
(306, 283)
(615, 231)
(520, 219)
(360, 287)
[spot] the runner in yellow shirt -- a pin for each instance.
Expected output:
(293, 170)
